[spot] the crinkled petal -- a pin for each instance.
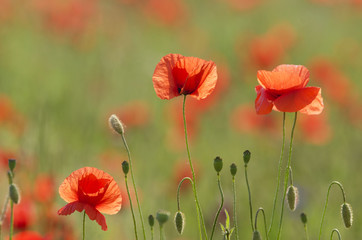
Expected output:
(208, 75)
(316, 107)
(94, 214)
(70, 208)
(300, 70)
(297, 100)
(112, 200)
(163, 81)
(263, 102)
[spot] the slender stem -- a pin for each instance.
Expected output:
(178, 191)
(325, 205)
(234, 208)
(151, 233)
(306, 231)
(250, 205)
(338, 234)
(287, 174)
(291, 175)
(131, 206)
(84, 225)
(11, 220)
(162, 237)
(221, 205)
(256, 221)
(199, 214)
(278, 178)
(134, 184)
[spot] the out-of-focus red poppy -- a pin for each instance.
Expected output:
(44, 188)
(315, 129)
(169, 12)
(5, 10)
(28, 235)
(284, 89)
(5, 155)
(243, 5)
(134, 114)
(24, 214)
(176, 75)
(92, 190)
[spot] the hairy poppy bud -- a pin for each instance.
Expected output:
(303, 217)
(162, 216)
(125, 167)
(233, 169)
(12, 164)
(116, 124)
(246, 156)
(347, 215)
(151, 220)
(14, 193)
(218, 164)
(180, 222)
(256, 235)
(292, 197)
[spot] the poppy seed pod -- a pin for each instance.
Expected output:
(292, 197)
(246, 156)
(14, 193)
(179, 222)
(233, 169)
(256, 235)
(347, 215)
(116, 124)
(12, 164)
(151, 220)
(303, 217)
(125, 167)
(162, 216)
(218, 164)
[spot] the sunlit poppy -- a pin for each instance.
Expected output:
(177, 75)
(284, 89)
(28, 235)
(92, 190)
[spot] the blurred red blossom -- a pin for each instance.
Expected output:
(181, 170)
(5, 155)
(44, 188)
(168, 12)
(315, 129)
(24, 213)
(134, 114)
(28, 235)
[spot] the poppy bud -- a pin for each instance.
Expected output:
(162, 216)
(256, 235)
(12, 164)
(218, 164)
(116, 124)
(180, 222)
(246, 156)
(292, 197)
(125, 167)
(233, 169)
(347, 215)
(303, 217)
(151, 220)
(14, 193)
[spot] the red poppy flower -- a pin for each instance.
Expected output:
(92, 190)
(175, 75)
(28, 235)
(284, 89)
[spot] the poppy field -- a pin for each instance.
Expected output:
(178, 119)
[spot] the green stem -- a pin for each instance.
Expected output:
(84, 225)
(134, 184)
(287, 174)
(162, 237)
(256, 221)
(306, 231)
(221, 205)
(151, 233)
(338, 234)
(278, 178)
(199, 214)
(249, 193)
(131, 206)
(178, 191)
(11, 220)
(234, 208)
(325, 205)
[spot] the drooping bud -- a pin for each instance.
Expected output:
(151, 220)
(116, 124)
(218, 164)
(256, 235)
(292, 197)
(12, 164)
(125, 167)
(14, 193)
(162, 216)
(246, 156)
(303, 217)
(179, 222)
(233, 169)
(347, 215)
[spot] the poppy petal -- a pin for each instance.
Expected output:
(112, 200)
(208, 76)
(297, 100)
(71, 208)
(263, 104)
(163, 81)
(300, 70)
(316, 107)
(94, 214)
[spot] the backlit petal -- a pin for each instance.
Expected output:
(316, 107)
(263, 103)
(208, 75)
(94, 214)
(112, 200)
(71, 208)
(300, 70)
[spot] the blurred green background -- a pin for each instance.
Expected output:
(67, 65)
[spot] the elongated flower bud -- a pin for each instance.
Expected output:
(292, 197)
(151, 220)
(14, 193)
(125, 167)
(180, 222)
(116, 124)
(162, 216)
(347, 215)
(218, 164)
(303, 217)
(246, 156)
(233, 169)
(256, 235)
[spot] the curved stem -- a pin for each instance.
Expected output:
(221, 205)
(178, 191)
(287, 174)
(338, 234)
(199, 214)
(325, 205)
(84, 225)
(134, 184)
(234, 208)
(278, 178)
(256, 220)
(11, 220)
(131, 206)
(250, 205)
